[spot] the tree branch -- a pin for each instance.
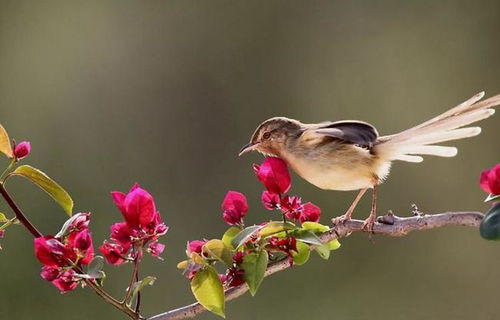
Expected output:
(388, 225)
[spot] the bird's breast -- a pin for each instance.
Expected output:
(343, 169)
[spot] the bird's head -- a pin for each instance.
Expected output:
(271, 136)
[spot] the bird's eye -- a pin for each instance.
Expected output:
(266, 135)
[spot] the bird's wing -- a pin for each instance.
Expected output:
(350, 131)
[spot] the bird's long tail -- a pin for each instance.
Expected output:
(408, 145)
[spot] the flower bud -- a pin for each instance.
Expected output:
(22, 150)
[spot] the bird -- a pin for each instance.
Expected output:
(350, 155)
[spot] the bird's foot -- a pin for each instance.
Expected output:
(369, 223)
(341, 219)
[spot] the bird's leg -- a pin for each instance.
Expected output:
(370, 221)
(347, 215)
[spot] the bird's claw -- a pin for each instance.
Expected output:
(368, 224)
(341, 219)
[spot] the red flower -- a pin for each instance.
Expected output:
(51, 252)
(287, 245)
(60, 255)
(79, 221)
(142, 224)
(66, 281)
(81, 243)
(490, 180)
(49, 273)
(113, 253)
(238, 258)
(121, 233)
(156, 248)
(22, 150)
(235, 207)
(274, 174)
(195, 246)
(234, 277)
(138, 207)
(291, 207)
(271, 201)
(310, 212)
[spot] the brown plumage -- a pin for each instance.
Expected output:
(350, 155)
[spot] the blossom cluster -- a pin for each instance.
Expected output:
(64, 255)
(275, 238)
(274, 174)
(140, 230)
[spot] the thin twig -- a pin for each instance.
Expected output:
(388, 225)
(19, 213)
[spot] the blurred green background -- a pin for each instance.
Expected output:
(166, 92)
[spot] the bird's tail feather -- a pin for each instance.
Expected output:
(419, 140)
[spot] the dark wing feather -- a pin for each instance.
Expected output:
(354, 132)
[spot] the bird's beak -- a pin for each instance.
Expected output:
(247, 148)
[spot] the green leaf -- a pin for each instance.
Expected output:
(48, 185)
(139, 285)
(255, 265)
(308, 237)
(490, 225)
(492, 197)
(303, 254)
(274, 227)
(244, 235)
(229, 236)
(3, 218)
(5, 144)
(314, 227)
(333, 245)
(323, 251)
(207, 289)
(217, 249)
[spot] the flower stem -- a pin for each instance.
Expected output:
(133, 279)
(19, 213)
(34, 231)
(12, 162)
(8, 223)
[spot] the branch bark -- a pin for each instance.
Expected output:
(388, 225)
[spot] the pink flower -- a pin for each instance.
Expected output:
(235, 207)
(22, 150)
(113, 253)
(81, 244)
(156, 248)
(49, 273)
(62, 254)
(121, 233)
(66, 281)
(79, 221)
(50, 251)
(274, 174)
(137, 207)
(234, 277)
(291, 206)
(195, 246)
(286, 245)
(310, 212)
(142, 225)
(490, 180)
(271, 201)
(238, 258)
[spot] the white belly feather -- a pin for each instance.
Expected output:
(335, 175)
